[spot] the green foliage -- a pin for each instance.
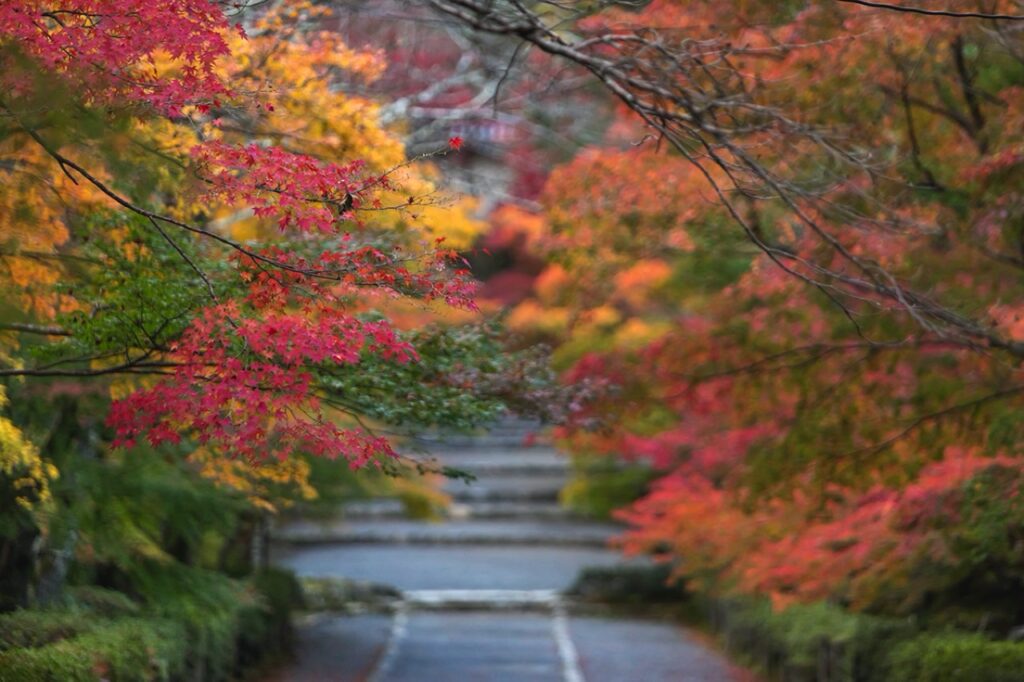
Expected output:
(856, 638)
(993, 513)
(628, 585)
(433, 390)
(265, 627)
(29, 629)
(122, 650)
(192, 624)
(134, 288)
(140, 508)
(802, 640)
(821, 642)
(600, 485)
(208, 605)
(101, 601)
(969, 573)
(981, 585)
(421, 393)
(707, 270)
(956, 657)
(571, 350)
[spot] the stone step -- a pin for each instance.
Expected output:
(543, 452)
(531, 462)
(481, 600)
(515, 442)
(506, 425)
(481, 442)
(380, 508)
(506, 488)
(443, 567)
(548, 533)
(509, 509)
(388, 508)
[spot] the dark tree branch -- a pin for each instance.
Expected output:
(935, 12)
(970, 94)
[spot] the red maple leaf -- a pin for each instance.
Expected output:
(455, 142)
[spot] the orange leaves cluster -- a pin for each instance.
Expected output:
(34, 228)
(266, 485)
(591, 209)
(860, 543)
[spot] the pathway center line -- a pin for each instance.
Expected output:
(571, 671)
(399, 628)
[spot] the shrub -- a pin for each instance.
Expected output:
(344, 595)
(265, 624)
(817, 641)
(209, 605)
(956, 657)
(125, 650)
(628, 585)
(29, 628)
(600, 485)
(101, 601)
(193, 624)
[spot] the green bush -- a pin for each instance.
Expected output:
(29, 628)
(956, 657)
(628, 585)
(265, 624)
(192, 624)
(126, 650)
(207, 604)
(819, 642)
(279, 590)
(600, 485)
(101, 601)
(822, 642)
(228, 622)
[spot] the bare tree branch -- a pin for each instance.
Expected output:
(935, 12)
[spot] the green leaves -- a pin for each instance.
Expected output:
(458, 380)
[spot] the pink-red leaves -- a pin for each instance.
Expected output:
(109, 48)
(244, 373)
(245, 385)
(300, 192)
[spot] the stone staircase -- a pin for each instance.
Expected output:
(513, 500)
(478, 595)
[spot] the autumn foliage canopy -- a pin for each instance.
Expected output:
(790, 262)
(794, 261)
(180, 148)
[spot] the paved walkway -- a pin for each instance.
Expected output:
(482, 590)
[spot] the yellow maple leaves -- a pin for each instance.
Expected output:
(32, 227)
(260, 483)
(30, 475)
